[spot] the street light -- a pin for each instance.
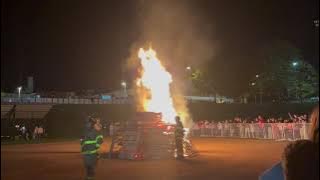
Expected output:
(295, 64)
(188, 68)
(257, 75)
(316, 22)
(19, 90)
(124, 85)
(252, 84)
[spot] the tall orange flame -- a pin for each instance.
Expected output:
(156, 80)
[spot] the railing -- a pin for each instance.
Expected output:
(72, 100)
(27, 114)
(275, 131)
(30, 100)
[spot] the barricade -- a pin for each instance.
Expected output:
(273, 131)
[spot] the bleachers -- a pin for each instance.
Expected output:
(27, 111)
(5, 109)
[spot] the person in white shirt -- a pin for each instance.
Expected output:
(232, 128)
(213, 127)
(23, 130)
(226, 129)
(281, 129)
(269, 129)
(207, 129)
(40, 132)
(36, 133)
(220, 128)
(252, 129)
(241, 128)
(246, 129)
(196, 130)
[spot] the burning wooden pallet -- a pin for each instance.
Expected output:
(146, 137)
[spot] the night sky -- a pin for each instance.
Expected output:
(72, 45)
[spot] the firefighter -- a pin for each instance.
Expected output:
(90, 145)
(179, 134)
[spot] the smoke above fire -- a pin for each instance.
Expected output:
(180, 35)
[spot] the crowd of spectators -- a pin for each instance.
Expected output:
(300, 159)
(292, 128)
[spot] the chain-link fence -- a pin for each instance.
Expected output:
(276, 131)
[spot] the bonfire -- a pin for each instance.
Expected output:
(156, 80)
(150, 134)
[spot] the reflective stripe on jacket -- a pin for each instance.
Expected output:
(91, 143)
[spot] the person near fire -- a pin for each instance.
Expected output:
(179, 134)
(90, 144)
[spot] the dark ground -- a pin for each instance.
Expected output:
(218, 159)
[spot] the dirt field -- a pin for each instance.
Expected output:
(218, 159)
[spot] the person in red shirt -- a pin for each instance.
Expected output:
(261, 119)
(262, 130)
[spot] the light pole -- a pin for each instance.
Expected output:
(257, 76)
(188, 76)
(124, 85)
(295, 64)
(260, 92)
(19, 92)
(255, 94)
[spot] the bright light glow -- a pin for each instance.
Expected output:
(257, 75)
(188, 68)
(252, 84)
(19, 90)
(156, 80)
(295, 63)
(316, 22)
(124, 85)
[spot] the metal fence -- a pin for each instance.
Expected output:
(31, 100)
(275, 131)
